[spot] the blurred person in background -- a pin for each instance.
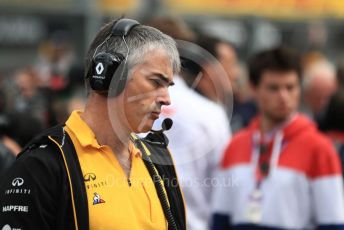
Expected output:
(29, 106)
(93, 172)
(340, 74)
(209, 80)
(334, 120)
(26, 107)
(31, 99)
(60, 74)
(23, 127)
(75, 77)
(287, 174)
(319, 84)
(199, 135)
(9, 149)
(56, 56)
(66, 107)
(74, 98)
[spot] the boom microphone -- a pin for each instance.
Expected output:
(166, 125)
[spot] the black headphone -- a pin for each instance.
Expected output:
(104, 65)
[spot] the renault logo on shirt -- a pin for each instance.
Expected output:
(90, 177)
(18, 181)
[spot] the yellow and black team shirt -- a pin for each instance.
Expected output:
(114, 201)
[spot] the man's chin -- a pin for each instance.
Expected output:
(281, 117)
(143, 128)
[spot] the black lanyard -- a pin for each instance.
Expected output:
(276, 150)
(156, 180)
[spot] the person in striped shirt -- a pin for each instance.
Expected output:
(284, 173)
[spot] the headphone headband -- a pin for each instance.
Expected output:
(123, 26)
(104, 65)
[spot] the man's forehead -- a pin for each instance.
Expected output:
(277, 74)
(158, 73)
(158, 53)
(158, 62)
(277, 77)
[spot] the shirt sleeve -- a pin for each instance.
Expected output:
(221, 202)
(29, 193)
(220, 218)
(327, 188)
(220, 139)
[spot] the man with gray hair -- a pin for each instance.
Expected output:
(94, 172)
(319, 84)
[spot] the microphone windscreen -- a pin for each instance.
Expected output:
(167, 124)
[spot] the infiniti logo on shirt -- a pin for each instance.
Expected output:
(18, 181)
(90, 177)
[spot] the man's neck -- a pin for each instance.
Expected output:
(97, 118)
(269, 125)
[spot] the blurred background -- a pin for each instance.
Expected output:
(32, 28)
(43, 43)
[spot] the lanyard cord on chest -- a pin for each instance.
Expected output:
(157, 182)
(276, 151)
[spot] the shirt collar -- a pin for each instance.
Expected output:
(81, 130)
(85, 135)
(134, 151)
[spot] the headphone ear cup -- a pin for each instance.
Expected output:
(119, 80)
(103, 67)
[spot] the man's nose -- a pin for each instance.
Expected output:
(283, 93)
(164, 97)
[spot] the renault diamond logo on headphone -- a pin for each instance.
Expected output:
(99, 68)
(18, 181)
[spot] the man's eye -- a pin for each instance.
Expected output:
(290, 87)
(156, 82)
(159, 83)
(272, 87)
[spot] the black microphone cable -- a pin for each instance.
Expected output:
(157, 182)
